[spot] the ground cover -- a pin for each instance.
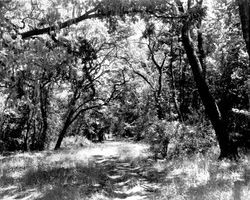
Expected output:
(120, 170)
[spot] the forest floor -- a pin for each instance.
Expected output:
(120, 170)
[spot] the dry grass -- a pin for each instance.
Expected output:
(199, 177)
(120, 170)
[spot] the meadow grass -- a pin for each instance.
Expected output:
(121, 170)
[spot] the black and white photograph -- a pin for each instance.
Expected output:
(124, 100)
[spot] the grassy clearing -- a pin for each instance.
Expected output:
(121, 170)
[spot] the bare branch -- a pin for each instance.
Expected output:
(153, 57)
(144, 78)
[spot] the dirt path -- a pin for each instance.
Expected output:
(129, 174)
(112, 170)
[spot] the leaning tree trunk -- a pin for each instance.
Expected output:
(209, 102)
(63, 132)
(61, 135)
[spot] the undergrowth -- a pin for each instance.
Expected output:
(175, 139)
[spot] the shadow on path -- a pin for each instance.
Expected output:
(130, 179)
(115, 170)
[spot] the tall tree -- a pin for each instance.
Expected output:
(215, 114)
(85, 70)
(161, 45)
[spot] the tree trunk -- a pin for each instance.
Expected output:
(63, 131)
(208, 101)
(66, 125)
(26, 137)
(201, 51)
(160, 113)
(44, 113)
(158, 100)
(184, 100)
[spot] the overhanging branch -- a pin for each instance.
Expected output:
(88, 15)
(97, 12)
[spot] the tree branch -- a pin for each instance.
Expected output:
(65, 24)
(144, 78)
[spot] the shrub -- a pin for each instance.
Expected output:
(172, 139)
(192, 139)
(159, 134)
(12, 124)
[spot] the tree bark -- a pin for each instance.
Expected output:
(158, 95)
(63, 133)
(160, 113)
(202, 55)
(61, 136)
(66, 125)
(44, 114)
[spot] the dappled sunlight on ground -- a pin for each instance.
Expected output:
(200, 178)
(108, 170)
(12, 192)
(107, 149)
(120, 170)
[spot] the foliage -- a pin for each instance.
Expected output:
(194, 139)
(230, 58)
(159, 135)
(172, 139)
